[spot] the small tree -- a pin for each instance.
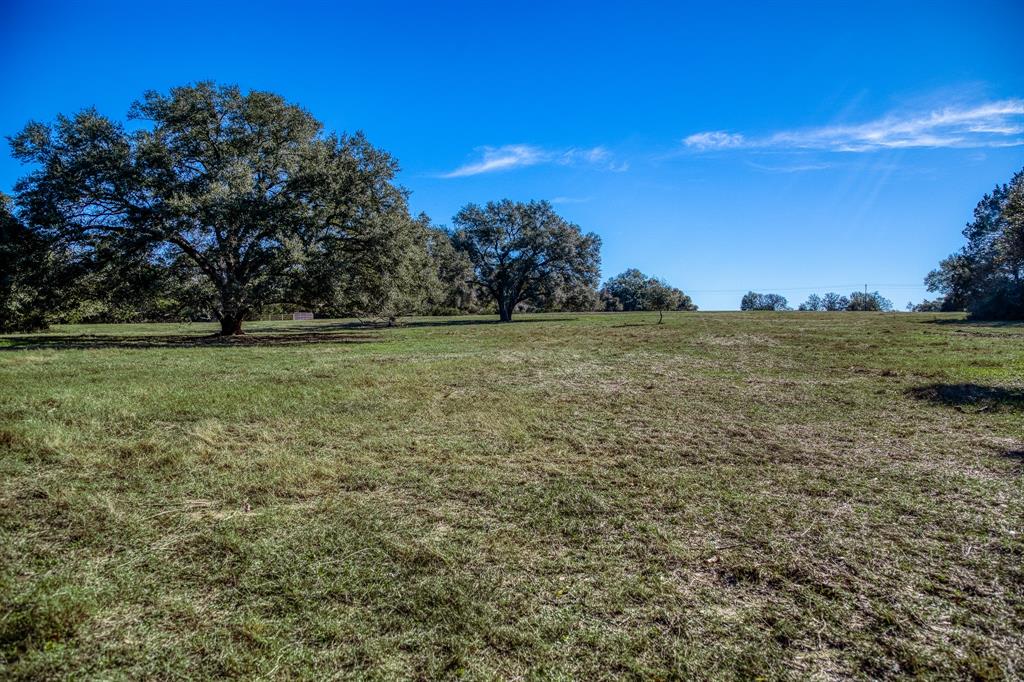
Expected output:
(658, 295)
(523, 251)
(633, 290)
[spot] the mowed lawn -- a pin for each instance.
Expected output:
(567, 496)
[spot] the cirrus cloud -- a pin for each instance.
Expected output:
(716, 139)
(510, 156)
(990, 124)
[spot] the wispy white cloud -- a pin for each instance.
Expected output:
(716, 139)
(990, 124)
(507, 157)
(499, 158)
(789, 168)
(570, 200)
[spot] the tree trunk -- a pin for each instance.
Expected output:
(505, 310)
(230, 310)
(231, 325)
(661, 314)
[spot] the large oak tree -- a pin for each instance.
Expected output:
(522, 251)
(245, 186)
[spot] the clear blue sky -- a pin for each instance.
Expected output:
(787, 147)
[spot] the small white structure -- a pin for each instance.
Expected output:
(302, 316)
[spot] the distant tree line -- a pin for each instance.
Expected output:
(219, 204)
(986, 276)
(856, 301)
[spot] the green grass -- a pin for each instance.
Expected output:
(568, 496)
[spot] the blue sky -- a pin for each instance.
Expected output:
(791, 147)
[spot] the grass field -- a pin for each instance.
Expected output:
(567, 496)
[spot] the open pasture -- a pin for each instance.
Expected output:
(567, 496)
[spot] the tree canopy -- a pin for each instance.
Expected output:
(26, 284)
(834, 302)
(524, 251)
(247, 189)
(755, 301)
(868, 301)
(812, 303)
(926, 306)
(986, 276)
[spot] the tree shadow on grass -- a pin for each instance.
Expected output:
(455, 323)
(969, 326)
(342, 332)
(1017, 456)
(971, 397)
(101, 341)
(650, 323)
(416, 323)
(969, 322)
